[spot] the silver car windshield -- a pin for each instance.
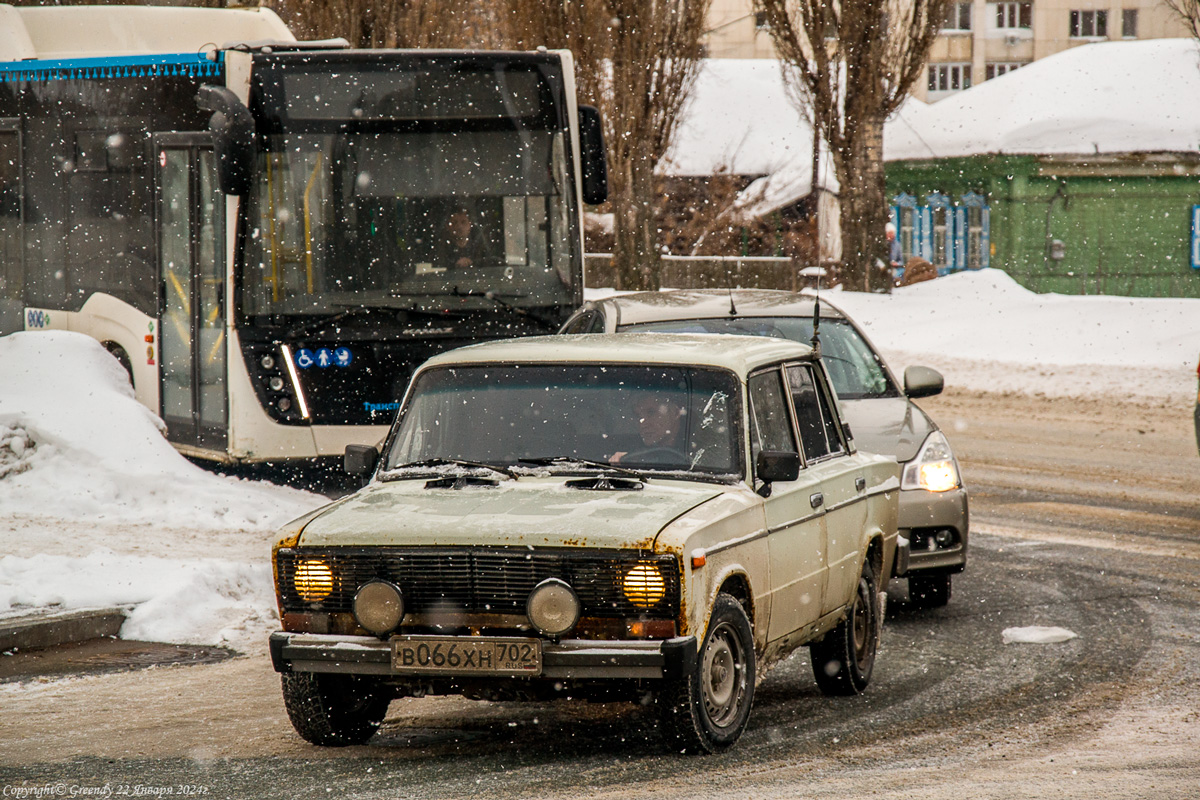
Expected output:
(572, 418)
(854, 368)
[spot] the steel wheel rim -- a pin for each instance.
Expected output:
(723, 675)
(861, 629)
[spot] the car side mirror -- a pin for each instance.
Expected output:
(776, 465)
(232, 127)
(592, 154)
(923, 382)
(360, 459)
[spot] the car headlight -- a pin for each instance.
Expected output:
(644, 585)
(553, 607)
(934, 469)
(313, 580)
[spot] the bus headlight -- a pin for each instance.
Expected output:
(934, 469)
(644, 585)
(313, 580)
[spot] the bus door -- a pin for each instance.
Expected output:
(191, 332)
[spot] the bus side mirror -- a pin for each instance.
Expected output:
(232, 128)
(591, 152)
(360, 459)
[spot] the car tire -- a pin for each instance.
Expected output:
(334, 710)
(843, 660)
(929, 591)
(706, 709)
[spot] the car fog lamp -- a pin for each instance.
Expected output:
(644, 585)
(379, 607)
(313, 580)
(553, 607)
(944, 537)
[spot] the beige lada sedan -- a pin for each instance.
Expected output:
(653, 518)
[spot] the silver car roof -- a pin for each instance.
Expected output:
(739, 354)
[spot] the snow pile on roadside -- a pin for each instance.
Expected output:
(985, 332)
(204, 601)
(97, 509)
(74, 443)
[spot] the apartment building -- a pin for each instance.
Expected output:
(980, 39)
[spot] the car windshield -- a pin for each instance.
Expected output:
(854, 368)
(643, 418)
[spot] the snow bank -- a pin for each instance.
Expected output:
(97, 509)
(985, 332)
(207, 601)
(74, 443)
(1037, 635)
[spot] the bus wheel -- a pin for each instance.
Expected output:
(120, 355)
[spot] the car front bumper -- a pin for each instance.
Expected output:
(569, 659)
(923, 513)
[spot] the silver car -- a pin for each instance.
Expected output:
(882, 415)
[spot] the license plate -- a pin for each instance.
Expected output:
(463, 655)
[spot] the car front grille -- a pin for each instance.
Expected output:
(479, 580)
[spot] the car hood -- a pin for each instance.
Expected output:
(532, 511)
(890, 426)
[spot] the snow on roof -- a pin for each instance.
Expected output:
(739, 119)
(1108, 97)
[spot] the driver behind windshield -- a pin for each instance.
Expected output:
(660, 424)
(461, 243)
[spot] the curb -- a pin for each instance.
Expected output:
(34, 631)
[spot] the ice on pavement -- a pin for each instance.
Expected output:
(97, 509)
(1037, 634)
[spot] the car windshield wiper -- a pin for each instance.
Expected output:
(454, 462)
(499, 300)
(547, 461)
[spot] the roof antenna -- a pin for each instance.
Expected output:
(816, 337)
(732, 307)
(729, 288)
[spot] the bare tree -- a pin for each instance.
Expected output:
(855, 61)
(395, 23)
(637, 61)
(1189, 12)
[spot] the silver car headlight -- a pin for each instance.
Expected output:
(934, 469)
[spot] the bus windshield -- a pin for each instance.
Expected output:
(381, 196)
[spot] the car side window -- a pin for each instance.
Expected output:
(772, 423)
(584, 323)
(814, 413)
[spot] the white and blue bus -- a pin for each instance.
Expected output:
(271, 235)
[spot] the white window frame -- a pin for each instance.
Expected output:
(949, 77)
(958, 10)
(1085, 23)
(1007, 16)
(994, 69)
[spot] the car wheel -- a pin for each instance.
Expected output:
(842, 662)
(334, 710)
(706, 710)
(929, 591)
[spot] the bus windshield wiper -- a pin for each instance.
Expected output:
(354, 310)
(498, 299)
(454, 462)
(547, 461)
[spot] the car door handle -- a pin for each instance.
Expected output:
(816, 500)
(860, 483)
